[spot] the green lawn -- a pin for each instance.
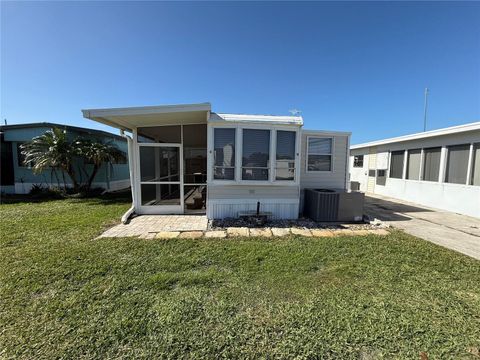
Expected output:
(64, 294)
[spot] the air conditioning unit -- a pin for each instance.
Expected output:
(333, 205)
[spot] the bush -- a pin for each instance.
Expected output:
(85, 192)
(40, 191)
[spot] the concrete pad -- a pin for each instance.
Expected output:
(237, 231)
(453, 231)
(321, 233)
(301, 232)
(280, 231)
(191, 235)
(261, 232)
(216, 234)
(167, 234)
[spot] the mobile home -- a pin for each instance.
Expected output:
(439, 168)
(17, 177)
(189, 159)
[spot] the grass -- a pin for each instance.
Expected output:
(64, 294)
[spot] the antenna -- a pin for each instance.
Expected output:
(295, 112)
(425, 111)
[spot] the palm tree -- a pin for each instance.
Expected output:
(98, 153)
(52, 150)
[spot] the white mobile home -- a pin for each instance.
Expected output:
(188, 159)
(439, 168)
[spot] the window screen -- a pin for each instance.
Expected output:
(476, 165)
(413, 164)
(431, 163)
(358, 161)
(285, 164)
(224, 154)
(255, 154)
(160, 134)
(457, 163)
(319, 154)
(396, 164)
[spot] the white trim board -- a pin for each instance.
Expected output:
(428, 134)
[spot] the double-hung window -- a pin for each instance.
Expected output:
(319, 154)
(224, 154)
(285, 162)
(255, 154)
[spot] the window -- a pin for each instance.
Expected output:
(381, 177)
(159, 164)
(457, 163)
(431, 163)
(476, 165)
(285, 164)
(396, 164)
(20, 156)
(319, 156)
(224, 154)
(413, 164)
(195, 154)
(160, 134)
(255, 154)
(358, 161)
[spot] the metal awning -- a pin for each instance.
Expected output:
(133, 117)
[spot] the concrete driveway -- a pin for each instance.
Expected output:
(457, 232)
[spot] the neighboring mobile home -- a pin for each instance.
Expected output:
(188, 159)
(18, 178)
(439, 168)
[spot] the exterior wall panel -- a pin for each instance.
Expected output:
(335, 179)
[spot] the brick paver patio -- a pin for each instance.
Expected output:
(153, 224)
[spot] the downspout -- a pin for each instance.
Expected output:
(347, 166)
(131, 169)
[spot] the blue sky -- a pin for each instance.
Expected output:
(359, 67)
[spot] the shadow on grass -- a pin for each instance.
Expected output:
(117, 197)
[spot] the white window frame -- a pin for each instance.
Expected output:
(239, 152)
(296, 156)
(363, 161)
(307, 154)
(210, 151)
(271, 154)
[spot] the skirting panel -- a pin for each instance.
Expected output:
(280, 209)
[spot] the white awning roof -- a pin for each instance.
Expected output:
(132, 117)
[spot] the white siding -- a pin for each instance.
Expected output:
(217, 192)
(280, 209)
(228, 200)
(335, 179)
